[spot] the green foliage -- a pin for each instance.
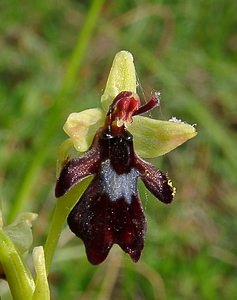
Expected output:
(50, 67)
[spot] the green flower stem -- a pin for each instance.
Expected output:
(61, 211)
(18, 275)
(1, 219)
(53, 121)
(82, 43)
(41, 282)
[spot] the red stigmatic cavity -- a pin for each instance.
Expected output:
(125, 106)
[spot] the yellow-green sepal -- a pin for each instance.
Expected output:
(122, 77)
(153, 138)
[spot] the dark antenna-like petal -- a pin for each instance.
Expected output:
(156, 182)
(76, 170)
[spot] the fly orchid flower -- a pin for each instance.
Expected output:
(110, 210)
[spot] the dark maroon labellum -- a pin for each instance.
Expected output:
(110, 210)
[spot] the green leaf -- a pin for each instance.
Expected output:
(20, 231)
(17, 274)
(122, 77)
(154, 137)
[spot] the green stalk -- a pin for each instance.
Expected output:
(52, 123)
(17, 274)
(63, 207)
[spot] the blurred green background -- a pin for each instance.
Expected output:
(54, 59)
